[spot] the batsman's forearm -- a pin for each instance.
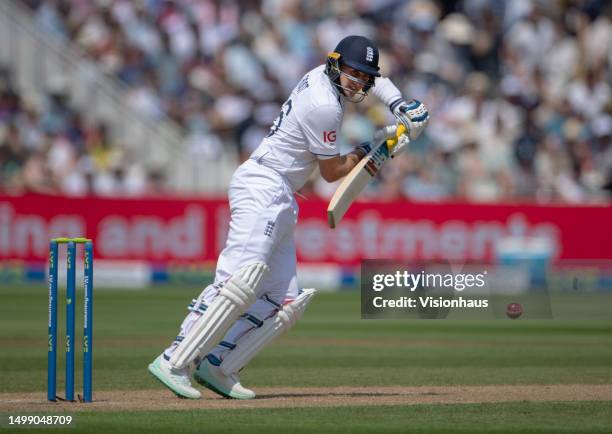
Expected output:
(347, 162)
(338, 167)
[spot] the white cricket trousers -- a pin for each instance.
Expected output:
(263, 217)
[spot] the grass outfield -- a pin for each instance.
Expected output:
(330, 347)
(549, 417)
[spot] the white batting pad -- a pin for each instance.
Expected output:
(233, 300)
(247, 347)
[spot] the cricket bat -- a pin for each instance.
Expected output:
(359, 177)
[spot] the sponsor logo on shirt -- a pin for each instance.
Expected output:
(329, 136)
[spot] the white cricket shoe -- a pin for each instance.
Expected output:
(177, 380)
(229, 386)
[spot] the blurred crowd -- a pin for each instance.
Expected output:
(518, 90)
(52, 150)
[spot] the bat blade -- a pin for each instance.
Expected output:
(355, 182)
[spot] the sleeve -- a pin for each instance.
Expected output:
(321, 126)
(386, 92)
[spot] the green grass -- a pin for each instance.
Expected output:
(550, 417)
(330, 346)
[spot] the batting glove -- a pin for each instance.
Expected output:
(413, 115)
(402, 142)
(385, 133)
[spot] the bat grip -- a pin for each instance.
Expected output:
(400, 130)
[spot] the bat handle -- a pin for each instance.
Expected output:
(391, 143)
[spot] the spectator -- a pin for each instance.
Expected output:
(538, 113)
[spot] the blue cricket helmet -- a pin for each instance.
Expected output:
(359, 53)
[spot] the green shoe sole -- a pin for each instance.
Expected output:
(218, 391)
(158, 374)
(209, 386)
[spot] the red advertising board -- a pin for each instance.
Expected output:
(193, 230)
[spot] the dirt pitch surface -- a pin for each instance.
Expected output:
(313, 397)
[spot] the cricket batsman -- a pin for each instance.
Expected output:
(255, 295)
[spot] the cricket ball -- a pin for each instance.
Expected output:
(514, 310)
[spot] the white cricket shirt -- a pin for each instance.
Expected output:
(305, 130)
